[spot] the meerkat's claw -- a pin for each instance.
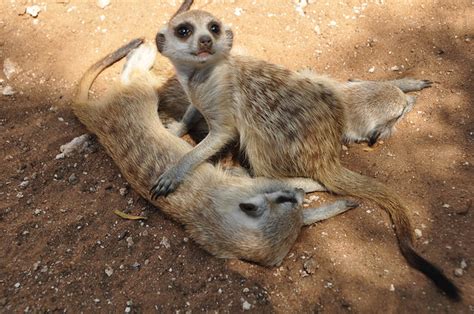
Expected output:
(166, 184)
(426, 84)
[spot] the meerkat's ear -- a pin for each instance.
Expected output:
(229, 36)
(160, 40)
(185, 6)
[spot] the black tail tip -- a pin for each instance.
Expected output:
(451, 291)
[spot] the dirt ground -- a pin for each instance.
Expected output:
(63, 249)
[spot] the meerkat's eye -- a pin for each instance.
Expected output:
(214, 28)
(285, 199)
(183, 31)
(251, 209)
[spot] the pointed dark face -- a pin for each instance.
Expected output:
(195, 37)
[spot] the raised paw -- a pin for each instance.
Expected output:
(141, 58)
(167, 183)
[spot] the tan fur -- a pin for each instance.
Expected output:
(288, 124)
(209, 201)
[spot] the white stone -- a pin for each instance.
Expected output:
(10, 68)
(77, 144)
(103, 3)
(418, 233)
(7, 90)
(246, 306)
(109, 271)
(33, 10)
(238, 11)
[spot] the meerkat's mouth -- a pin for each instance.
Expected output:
(203, 53)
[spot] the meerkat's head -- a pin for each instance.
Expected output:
(261, 227)
(194, 37)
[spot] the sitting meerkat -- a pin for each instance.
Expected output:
(288, 124)
(229, 216)
(372, 108)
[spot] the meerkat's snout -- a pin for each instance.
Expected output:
(205, 45)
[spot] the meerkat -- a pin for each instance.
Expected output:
(372, 108)
(287, 124)
(229, 216)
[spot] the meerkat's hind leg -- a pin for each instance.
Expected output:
(138, 60)
(411, 85)
(312, 215)
(307, 184)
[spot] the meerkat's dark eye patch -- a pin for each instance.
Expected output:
(183, 30)
(285, 199)
(214, 28)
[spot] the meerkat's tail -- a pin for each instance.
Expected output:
(91, 74)
(411, 85)
(347, 182)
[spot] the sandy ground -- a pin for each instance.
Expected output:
(60, 240)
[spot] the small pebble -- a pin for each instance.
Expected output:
(24, 184)
(136, 265)
(103, 3)
(10, 68)
(73, 179)
(310, 266)
(123, 191)
(392, 287)
(238, 11)
(395, 68)
(109, 271)
(317, 30)
(245, 290)
(17, 285)
(246, 306)
(458, 272)
(418, 233)
(446, 205)
(33, 10)
(165, 242)
(129, 241)
(372, 69)
(7, 91)
(463, 264)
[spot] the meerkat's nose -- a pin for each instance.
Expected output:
(205, 41)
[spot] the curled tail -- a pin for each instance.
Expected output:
(348, 182)
(91, 74)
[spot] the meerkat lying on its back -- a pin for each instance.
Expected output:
(231, 217)
(287, 124)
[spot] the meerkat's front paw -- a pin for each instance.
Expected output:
(139, 59)
(167, 183)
